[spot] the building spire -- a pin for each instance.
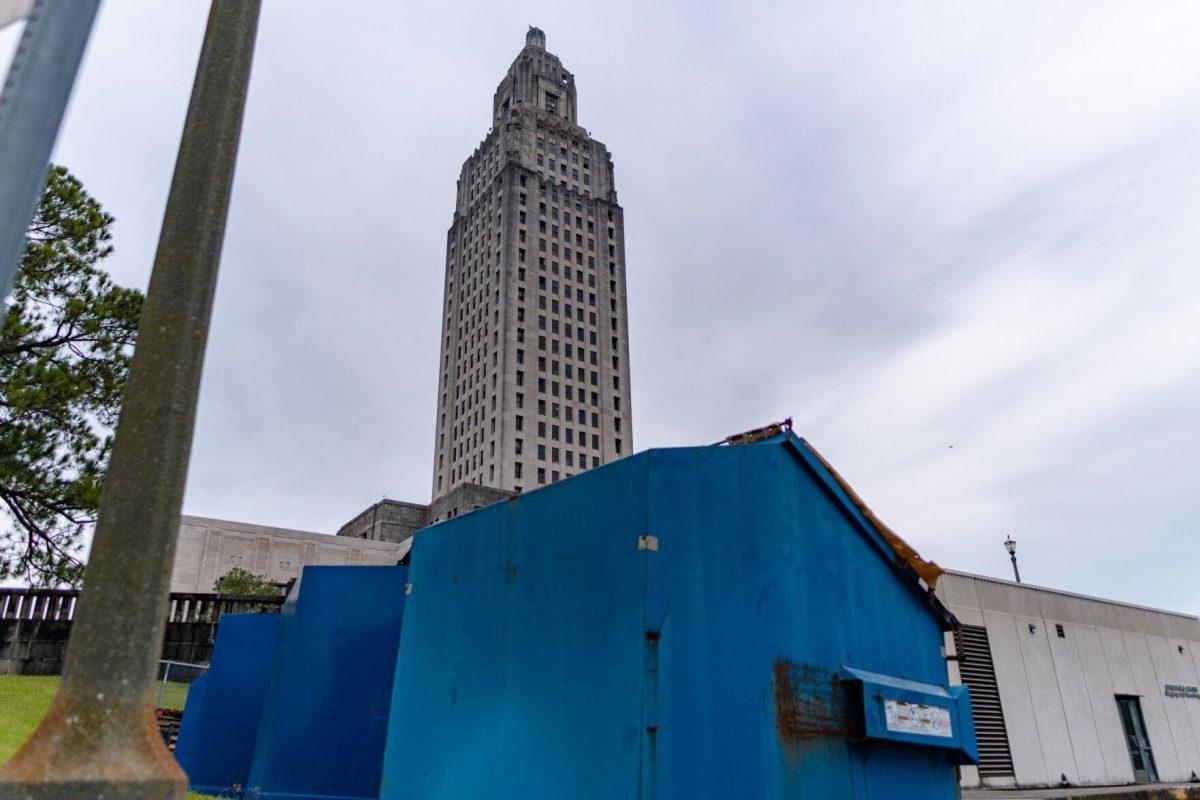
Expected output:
(535, 37)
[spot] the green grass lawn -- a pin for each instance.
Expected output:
(23, 701)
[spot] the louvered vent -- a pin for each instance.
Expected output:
(975, 665)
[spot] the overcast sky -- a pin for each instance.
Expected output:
(958, 242)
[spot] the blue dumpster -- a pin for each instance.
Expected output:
(325, 717)
(712, 622)
(218, 732)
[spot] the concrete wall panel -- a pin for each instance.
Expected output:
(209, 548)
(1077, 706)
(1192, 653)
(189, 554)
(1120, 670)
(1102, 697)
(993, 597)
(958, 593)
(1024, 741)
(1047, 700)
(1158, 726)
(1173, 667)
(1023, 603)
(967, 615)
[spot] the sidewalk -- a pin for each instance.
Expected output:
(1151, 791)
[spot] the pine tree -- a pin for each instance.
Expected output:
(65, 348)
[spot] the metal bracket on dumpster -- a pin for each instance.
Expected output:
(909, 712)
(648, 542)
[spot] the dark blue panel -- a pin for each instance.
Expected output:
(216, 738)
(545, 654)
(522, 674)
(325, 719)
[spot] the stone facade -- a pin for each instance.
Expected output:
(387, 521)
(534, 367)
(209, 548)
(463, 499)
(397, 521)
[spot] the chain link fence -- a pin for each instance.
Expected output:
(174, 680)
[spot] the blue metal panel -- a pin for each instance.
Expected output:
(551, 650)
(765, 586)
(216, 738)
(522, 675)
(325, 719)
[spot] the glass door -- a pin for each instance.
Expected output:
(1136, 739)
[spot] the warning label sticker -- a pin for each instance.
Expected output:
(916, 718)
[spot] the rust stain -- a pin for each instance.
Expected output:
(808, 703)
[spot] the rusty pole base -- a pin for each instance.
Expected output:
(88, 748)
(93, 790)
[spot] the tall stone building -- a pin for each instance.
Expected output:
(534, 368)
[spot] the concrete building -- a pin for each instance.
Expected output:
(209, 548)
(534, 383)
(534, 367)
(1076, 690)
(397, 520)
(387, 521)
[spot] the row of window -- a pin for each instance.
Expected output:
(485, 168)
(460, 450)
(565, 219)
(580, 374)
(551, 167)
(555, 234)
(560, 146)
(468, 412)
(582, 355)
(558, 434)
(477, 312)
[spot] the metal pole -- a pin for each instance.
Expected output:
(163, 685)
(1016, 572)
(99, 739)
(32, 104)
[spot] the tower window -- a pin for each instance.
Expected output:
(552, 103)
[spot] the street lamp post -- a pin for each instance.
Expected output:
(98, 740)
(1011, 547)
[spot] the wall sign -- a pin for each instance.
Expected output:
(916, 718)
(1186, 692)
